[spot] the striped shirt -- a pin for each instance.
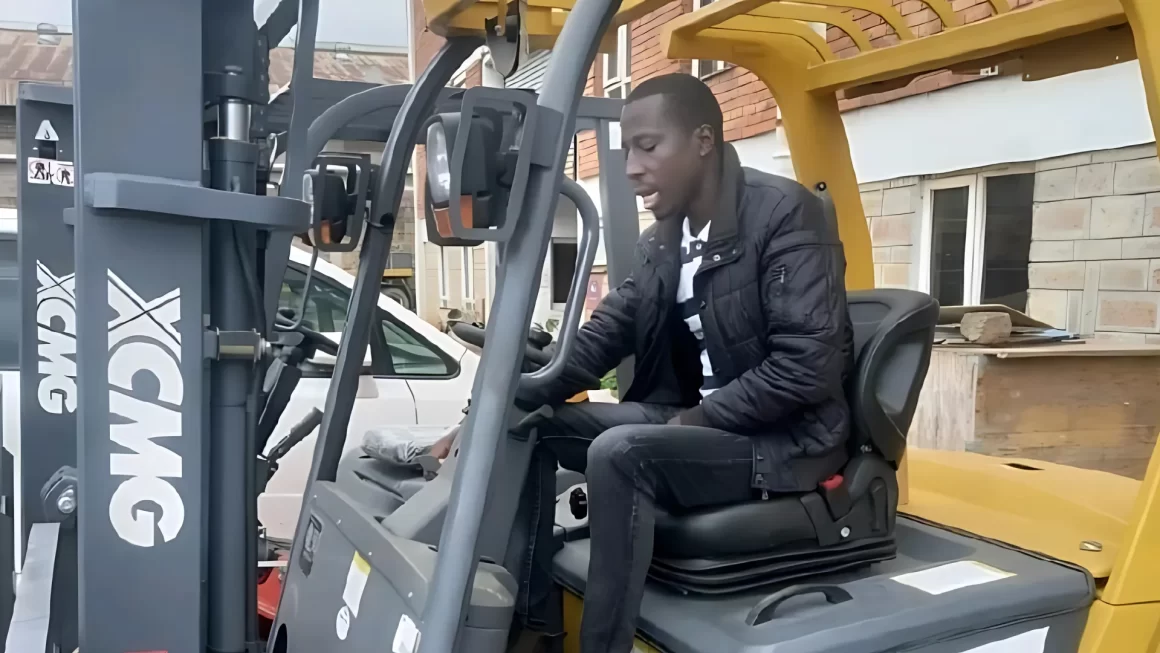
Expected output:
(692, 248)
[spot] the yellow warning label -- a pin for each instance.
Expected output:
(356, 582)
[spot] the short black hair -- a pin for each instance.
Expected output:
(688, 100)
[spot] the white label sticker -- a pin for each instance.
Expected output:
(39, 170)
(956, 575)
(614, 135)
(406, 636)
(356, 582)
(1034, 641)
(62, 173)
(342, 622)
(46, 132)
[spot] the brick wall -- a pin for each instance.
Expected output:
(891, 212)
(1096, 244)
(1095, 250)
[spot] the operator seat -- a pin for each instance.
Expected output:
(849, 521)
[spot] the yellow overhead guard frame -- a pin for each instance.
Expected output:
(1107, 524)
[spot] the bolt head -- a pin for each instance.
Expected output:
(67, 501)
(845, 531)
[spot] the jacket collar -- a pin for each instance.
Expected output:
(724, 224)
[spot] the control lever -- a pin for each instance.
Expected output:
(297, 434)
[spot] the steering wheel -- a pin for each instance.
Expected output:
(537, 353)
(312, 339)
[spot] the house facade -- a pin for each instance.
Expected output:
(977, 188)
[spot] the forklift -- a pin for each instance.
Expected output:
(909, 550)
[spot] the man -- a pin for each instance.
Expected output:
(736, 314)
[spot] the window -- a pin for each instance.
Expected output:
(469, 277)
(410, 355)
(444, 280)
(9, 304)
(564, 255)
(976, 241)
(704, 67)
(618, 67)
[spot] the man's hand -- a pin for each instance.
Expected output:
(442, 447)
(690, 417)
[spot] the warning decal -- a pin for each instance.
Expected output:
(356, 582)
(39, 170)
(46, 132)
(62, 173)
(50, 171)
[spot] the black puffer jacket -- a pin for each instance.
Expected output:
(773, 308)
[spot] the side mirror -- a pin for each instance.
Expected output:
(337, 189)
(478, 160)
(473, 197)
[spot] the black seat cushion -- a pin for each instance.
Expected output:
(781, 522)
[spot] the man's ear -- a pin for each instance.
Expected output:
(706, 140)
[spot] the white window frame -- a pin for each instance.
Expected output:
(621, 78)
(469, 278)
(444, 280)
(700, 69)
(976, 185)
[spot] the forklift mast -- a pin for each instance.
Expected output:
(158, 264)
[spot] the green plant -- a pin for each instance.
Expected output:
(609, 383)
(551, 325)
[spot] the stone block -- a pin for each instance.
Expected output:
(1094, 180)
(1134, 312)
(1152, 214)
(1120, 216)
(1066, 220)
(1146, 247)
(1154, 274)
(895, 275)
(1048, 306)
(1053, 185)
(881, 254)
(872, 203)
(1139, 176)
(901, 254)
(1124, 153)
(1053, 250)
(1056, 276)
(1097, 250)
(1124, 275)
(1069, 161)
(892, 230)
(1124, 338)
(896, 201)
(1074, 311)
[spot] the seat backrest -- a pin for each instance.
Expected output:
(893, 338)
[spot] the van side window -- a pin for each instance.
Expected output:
(326, 311)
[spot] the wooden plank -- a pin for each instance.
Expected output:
(945, 417)
(1098, 348)
(1101, 414)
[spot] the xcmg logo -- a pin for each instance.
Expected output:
(146, 392)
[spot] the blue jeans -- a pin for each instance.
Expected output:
(633, 464)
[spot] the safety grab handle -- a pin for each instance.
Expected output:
(763, 611)
(589, 238)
